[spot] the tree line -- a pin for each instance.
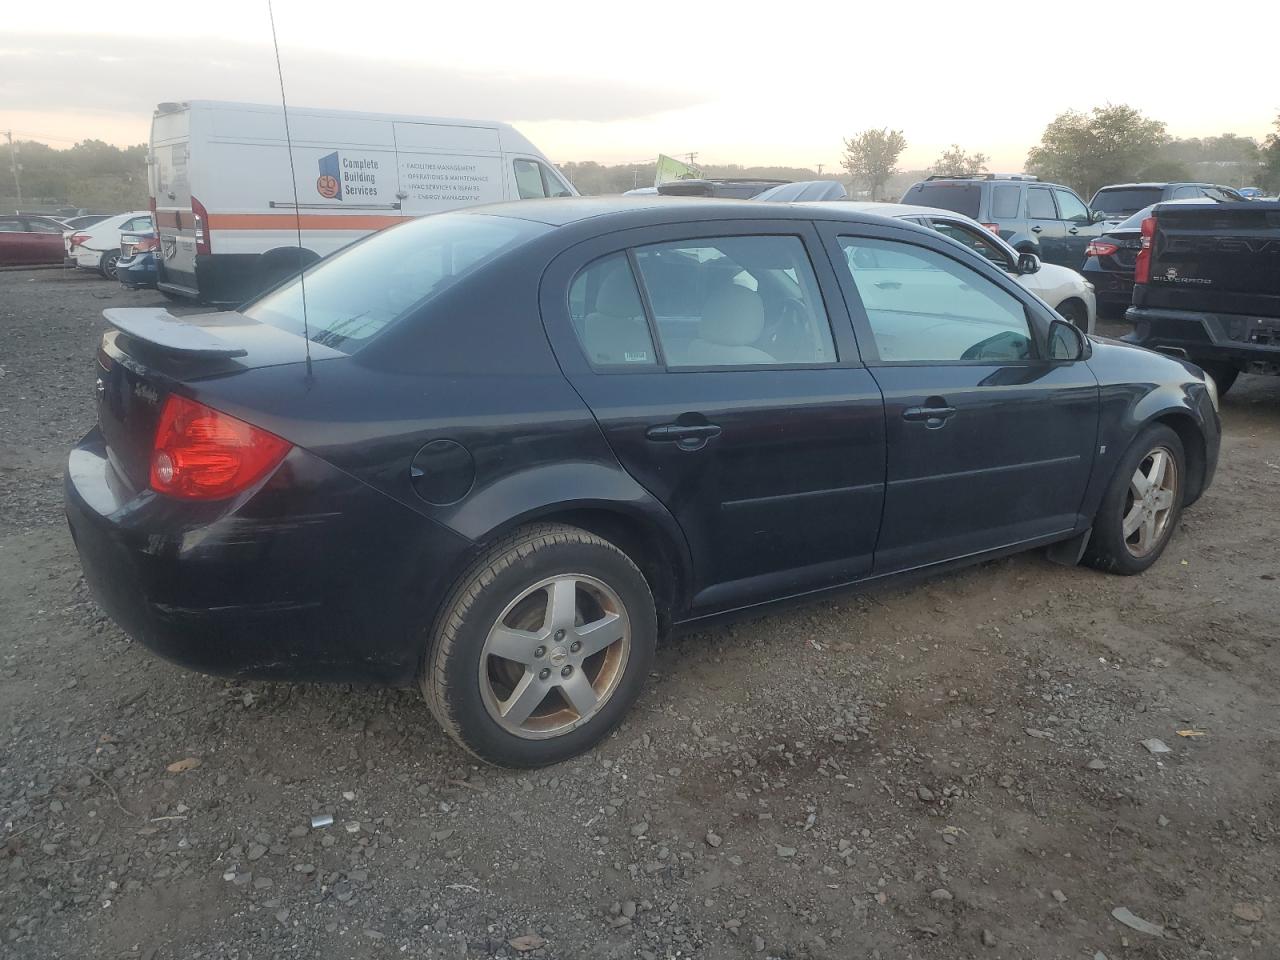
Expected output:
(1084, 151)
(1111, 144)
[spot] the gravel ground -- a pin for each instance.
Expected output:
(949, 771)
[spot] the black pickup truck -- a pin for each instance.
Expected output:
(1207, 287)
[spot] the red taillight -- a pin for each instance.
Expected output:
(993, 227)
(147, 243)
(77, 239)
(201, 217)
(1142, 269)
(1100, 248)
(203, 454)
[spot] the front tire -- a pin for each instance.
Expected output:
(542, 647)
(1074, 311)
(1141, 507)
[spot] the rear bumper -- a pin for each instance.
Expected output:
(137, 272)
(1112, 288)
(1248, 343)
(313, 576)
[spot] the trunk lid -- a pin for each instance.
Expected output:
(150, 353)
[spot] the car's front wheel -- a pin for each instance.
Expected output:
(1141, 507)
(541, 648)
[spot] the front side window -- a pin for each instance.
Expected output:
(1004, 200)
(528, 180)
(976, 239)
(354, 294)
(736, 301)
(1040, 204)
(1072, 207)
(608, 315)
(42, 226)
(11, 225)
(924, 307)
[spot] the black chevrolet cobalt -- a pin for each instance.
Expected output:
(498, 453)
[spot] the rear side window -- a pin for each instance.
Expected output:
(608, 315)
(356, 293)
(1005, 200)
(736, 301)
(924, 307)
(1040, 204)
(11, 225)
(960, 196)
(1125, 201)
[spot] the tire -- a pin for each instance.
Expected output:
(505, 601)
(1075, 312)
(107, 264)
(1110, 549)
(1224, 374)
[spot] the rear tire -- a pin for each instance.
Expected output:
(1142, 505)
(574, 621)
(107, 264)
(1224, 374)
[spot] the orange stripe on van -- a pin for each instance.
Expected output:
(309, 221)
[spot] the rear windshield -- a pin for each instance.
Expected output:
(355, 294)
(1125, 201)
(947, 195)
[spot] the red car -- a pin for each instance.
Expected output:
(28, 239)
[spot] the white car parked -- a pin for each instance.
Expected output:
(97, 247)
(1062, 288)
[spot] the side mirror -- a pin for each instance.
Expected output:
(1028, 263)
(1066, 341)
(1097, 216)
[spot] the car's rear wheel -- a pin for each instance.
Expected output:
(107, 264)
(1224, 374)
(541, 648)
(1141, 507)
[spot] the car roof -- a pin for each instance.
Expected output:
(1159, 185)
(619, 212)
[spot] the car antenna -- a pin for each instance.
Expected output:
(293, 178)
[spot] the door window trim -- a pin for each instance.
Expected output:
(711, 231)
(832, 230)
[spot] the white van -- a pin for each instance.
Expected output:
(224, 204)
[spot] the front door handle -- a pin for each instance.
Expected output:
(1036, 229)
(933, 416)
(1073, 231)
(692, 436)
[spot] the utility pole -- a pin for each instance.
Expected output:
(819, 169)
(692, 156)
(13, 160)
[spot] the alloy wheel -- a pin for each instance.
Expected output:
(555, 656)
(1149, 505)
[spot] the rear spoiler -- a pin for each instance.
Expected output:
(158, 327)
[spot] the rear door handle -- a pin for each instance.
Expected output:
(687, 436)
(1073, 231)
(1036, 229)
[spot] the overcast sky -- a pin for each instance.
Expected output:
(749, 83)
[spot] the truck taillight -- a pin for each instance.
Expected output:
(1142, 269)
(201, 217)
(203, 454)
(1100, 248)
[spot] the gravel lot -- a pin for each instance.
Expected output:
(953, 770)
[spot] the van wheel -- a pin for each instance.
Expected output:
(107, 264)
(1141, 507)
(541, 648)
(1224, 374)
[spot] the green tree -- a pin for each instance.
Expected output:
(871, 157)
(954, 162)
(1111, 144)
(1270, 172)
(92, 174)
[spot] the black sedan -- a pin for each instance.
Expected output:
(498, 453)
(1110, 259)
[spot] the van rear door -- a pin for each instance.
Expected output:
(171, 193)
